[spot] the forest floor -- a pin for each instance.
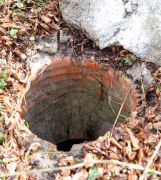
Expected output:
(131, 152)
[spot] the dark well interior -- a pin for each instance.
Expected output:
(69, 102)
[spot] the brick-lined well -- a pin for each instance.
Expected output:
(70, 100)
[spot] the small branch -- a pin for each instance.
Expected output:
(118, 115)
(79, 165)
(150, 161)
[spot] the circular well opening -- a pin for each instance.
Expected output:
(69, 103)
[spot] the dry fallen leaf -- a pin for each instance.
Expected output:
(132, 177)
(20, 54)
(65, 172)
(87, 159)
(45, 19)
(131, 155)
(140, 155)
(134, 140)
(11, 167)
(64, 160)
(82, 175)
(113, 141)
(150, 113)
(157, 125)
(34, 147)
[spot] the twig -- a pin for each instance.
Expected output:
(150, 161)
(79, 165)
(120, 109)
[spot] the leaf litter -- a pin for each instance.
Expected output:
(21, 23)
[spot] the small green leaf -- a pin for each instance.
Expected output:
(128, 62)
(14, 14)
(3, 75)
(1, 1)
(27, 125)
(20, 4)
(158, 87)
(1, 160)
(6, 146)
(3, 84)
(28, 157)
(93, 173)
(1, 109)
(13, 33)
(42, 2)
(122, 77)
(1, 129)
(3, 138)
(109, 99)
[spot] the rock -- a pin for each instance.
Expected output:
(97, 18)
(64, 37)
(76, 150)
(141, 73)
(37, 62)
(48, 45)
(134, 24)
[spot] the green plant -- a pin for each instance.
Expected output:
(1, 160)
(27, 125)
(3, 84)
(128, 61)
(6, 146)
(18, 4)
(3, 79)
(1, 1)
(28, 157)
(41, 2)
(3, 138)
(1, 109)
(13, 33)
(14, 14)
(122, 77)
(93, 173)
(158, 86)
(1, 129)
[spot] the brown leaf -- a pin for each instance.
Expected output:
(11, 167)
(7, 103)
(150, 113)
(17, 76)
(9, 56)
(132, 177)
(134, 140)
(23, 30)
(113, 141)
(113, 155)
(46, 19)
(21, 55)
(131, 155)
(34, 147)
(88, 158)
(66, 160)
(140, 155)
(8, 43)
(55, 26)
(148, 127)
(157, 125)
(45, 26)
(65, 172)
(82, 175)
(4, 38)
